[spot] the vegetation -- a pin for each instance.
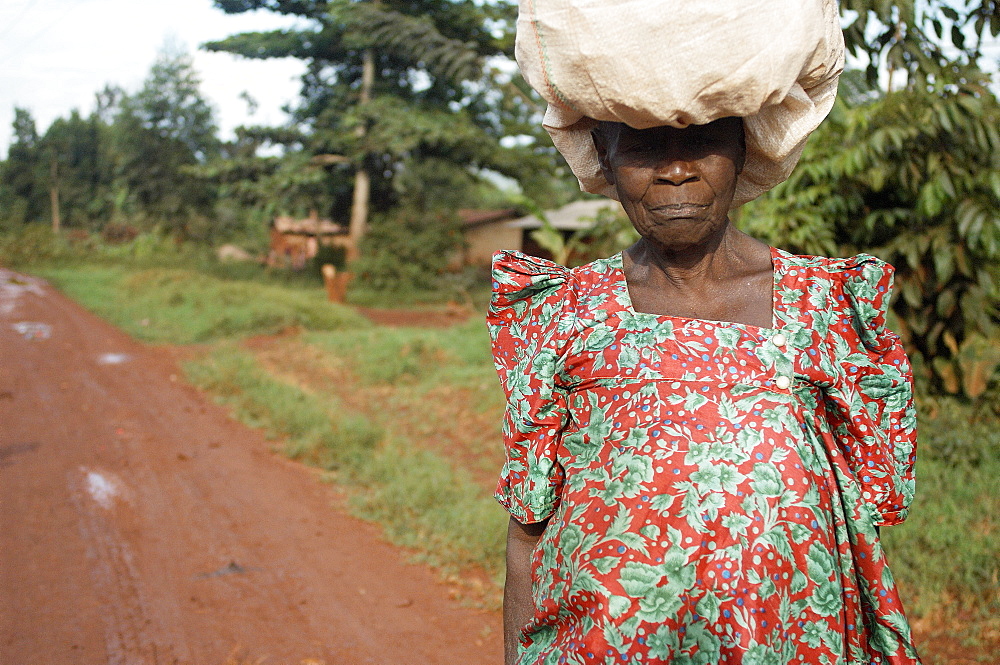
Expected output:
(183, 306)
(406, 102)
(128, 163)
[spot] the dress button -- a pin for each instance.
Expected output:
(778, 340)
(783, 382)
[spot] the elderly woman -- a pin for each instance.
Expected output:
(703, 433)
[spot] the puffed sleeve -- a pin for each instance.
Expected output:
(874, 419)
(529, 320)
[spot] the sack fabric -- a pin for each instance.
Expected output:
(648, 63)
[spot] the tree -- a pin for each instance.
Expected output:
(23, 195)
(400, 84)
(74, 150)
(158, 135)
(912, 175)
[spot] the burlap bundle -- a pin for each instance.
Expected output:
(648, 63)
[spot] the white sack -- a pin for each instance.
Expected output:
(648, 63)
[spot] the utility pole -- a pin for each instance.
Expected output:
(54, 194)
(362, 182)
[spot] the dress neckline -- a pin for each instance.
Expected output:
(618, 264)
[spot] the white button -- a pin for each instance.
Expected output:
(778, 340)
(783, 382)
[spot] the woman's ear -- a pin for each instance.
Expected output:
(600, 137)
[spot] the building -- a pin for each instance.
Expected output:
(294, 242)
(489, 231)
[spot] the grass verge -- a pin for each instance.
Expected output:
(945, 555)
(184, 306)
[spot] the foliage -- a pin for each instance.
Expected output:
(23, 190)
(408, 251)
(932, 43)
(440, 94)
(129, 161)
(945, 554)
(158, 134)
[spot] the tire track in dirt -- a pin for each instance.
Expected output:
(139, 524)
(98, 497)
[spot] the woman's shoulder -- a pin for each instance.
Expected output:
(832, 265)
(857, 287)
(848, 272)
(518, 273)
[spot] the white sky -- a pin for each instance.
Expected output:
(55, 54)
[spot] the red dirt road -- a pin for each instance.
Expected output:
(139, 524)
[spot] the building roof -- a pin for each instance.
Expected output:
(572, 216)
(470, 217)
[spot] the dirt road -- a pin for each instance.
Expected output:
(138, 524)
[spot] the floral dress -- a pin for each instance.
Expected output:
(712, 489)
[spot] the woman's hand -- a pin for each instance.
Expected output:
(518, 605)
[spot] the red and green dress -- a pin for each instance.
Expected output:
(712, 489)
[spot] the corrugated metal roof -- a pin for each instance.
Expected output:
(572, 216)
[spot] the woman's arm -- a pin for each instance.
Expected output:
(518, 605)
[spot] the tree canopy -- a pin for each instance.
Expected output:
(441, 99)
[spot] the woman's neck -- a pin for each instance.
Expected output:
(727, 279)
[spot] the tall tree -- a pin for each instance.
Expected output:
(158, 135)
(398, 84)
(23, 192)
(79, 169)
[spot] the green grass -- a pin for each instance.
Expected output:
(947, 553)
(312, 432)
(432, 356)
(184, 306)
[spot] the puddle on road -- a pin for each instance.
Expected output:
(113, 358)
(101, 489)
(13, 286)
(32, 330)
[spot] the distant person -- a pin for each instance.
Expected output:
(703, 433)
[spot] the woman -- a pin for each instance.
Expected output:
(703, 433)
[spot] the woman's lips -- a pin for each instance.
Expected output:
(680, 210)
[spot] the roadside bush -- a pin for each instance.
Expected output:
(408, 251)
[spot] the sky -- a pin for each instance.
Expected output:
(56, 54)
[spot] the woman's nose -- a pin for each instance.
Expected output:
(675, 170)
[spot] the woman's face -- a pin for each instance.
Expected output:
(675, 184)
